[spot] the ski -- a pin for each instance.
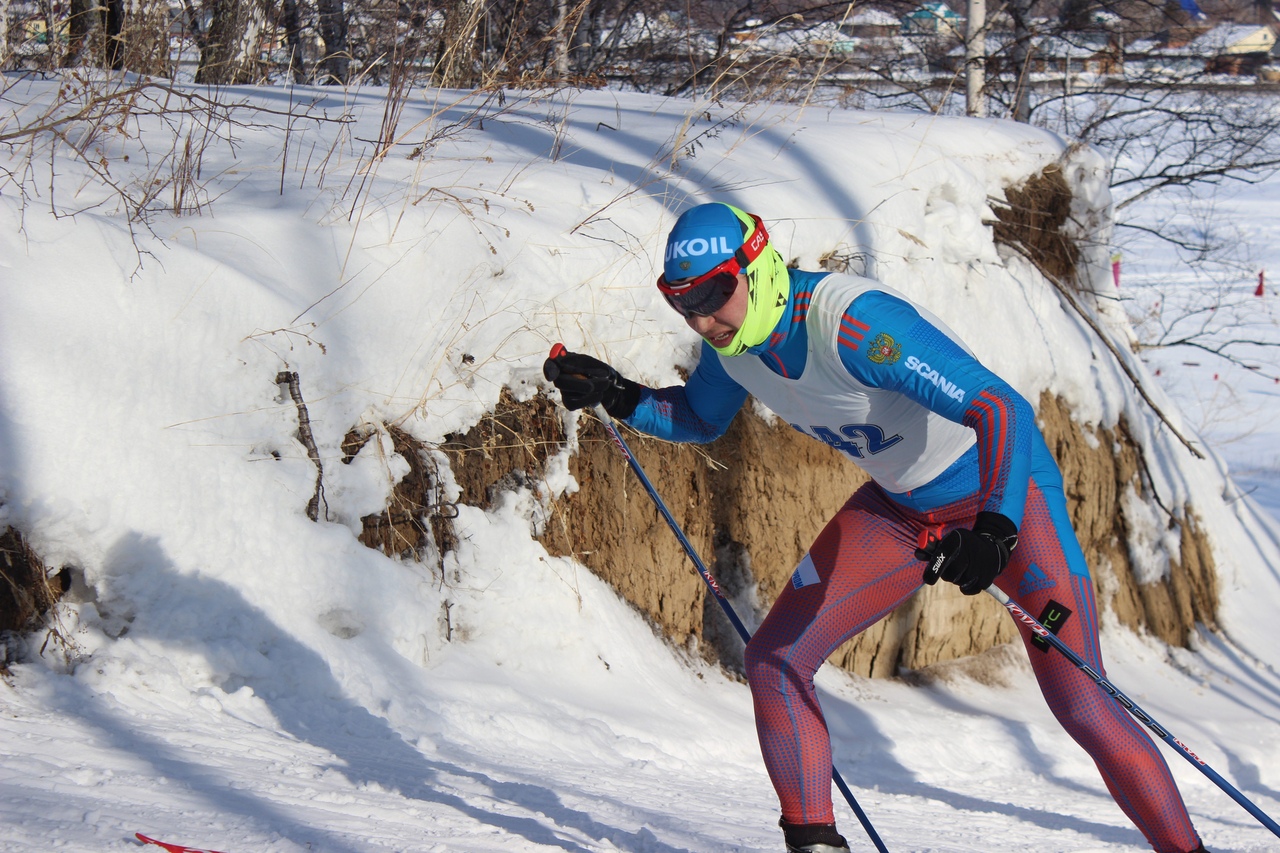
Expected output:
(172, 848)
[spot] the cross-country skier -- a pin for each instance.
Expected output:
(961, 478)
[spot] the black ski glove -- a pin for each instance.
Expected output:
(971, 559)
(585, 381)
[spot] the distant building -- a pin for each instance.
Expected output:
(1051, 55)
(1234, 40)
(1234, 48)
(932, 18)
(872, 23)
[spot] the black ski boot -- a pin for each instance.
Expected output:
(813, 838)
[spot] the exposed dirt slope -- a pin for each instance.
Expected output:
(752, 526)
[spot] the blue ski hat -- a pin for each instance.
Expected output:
(710, 234)
(703, 238)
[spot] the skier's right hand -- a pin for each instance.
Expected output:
(585, 382)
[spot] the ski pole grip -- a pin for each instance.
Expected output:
(550, 369)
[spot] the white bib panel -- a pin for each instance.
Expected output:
(899, 442)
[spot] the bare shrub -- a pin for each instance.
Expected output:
(417, 514)
(28, 591)
(168, 129)
(1032, 219)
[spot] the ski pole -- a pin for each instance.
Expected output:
(1132, 707)
(710, 581)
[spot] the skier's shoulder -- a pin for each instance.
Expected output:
(861, 298)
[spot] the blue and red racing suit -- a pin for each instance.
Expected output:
(860, 367)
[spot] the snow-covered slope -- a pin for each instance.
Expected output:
(243, 678)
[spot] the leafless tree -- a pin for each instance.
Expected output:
(4, 33)
(113, 27)
(79, 28)
(229, 48)
(737, 24)
(456, 62)
(333, 29)
(291, 23)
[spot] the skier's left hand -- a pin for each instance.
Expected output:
(971, 559)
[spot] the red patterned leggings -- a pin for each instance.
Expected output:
(863, 566)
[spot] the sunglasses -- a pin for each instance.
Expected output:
(706, 294)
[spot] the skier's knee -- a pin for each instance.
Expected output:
(763, 662)
(768, 666)
(755, 660)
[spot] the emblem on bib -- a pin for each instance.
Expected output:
(884, 349)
